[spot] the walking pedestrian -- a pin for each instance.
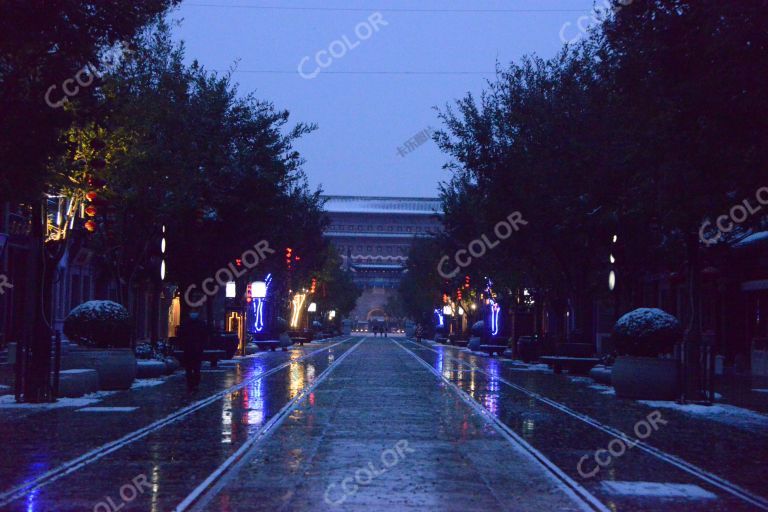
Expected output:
(419, 333)
(193, 334)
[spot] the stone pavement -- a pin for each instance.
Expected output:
(383, 433)
(383, 424)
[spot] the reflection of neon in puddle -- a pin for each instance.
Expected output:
(255, 416)
(31, 500)
(528, 426)
(491, 397)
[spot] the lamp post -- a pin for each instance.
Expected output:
(3, 243)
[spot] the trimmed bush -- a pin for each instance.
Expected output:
(99, 323)
(646, 332)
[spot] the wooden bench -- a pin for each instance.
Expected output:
(460, 343)
(300, 340)
(493, 349)
(579, 365)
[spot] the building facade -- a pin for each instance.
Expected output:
(373, 235)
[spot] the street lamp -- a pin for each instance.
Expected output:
(258, 289)
(312, 308)
(3, 242)
(231, 290)
(162, 255)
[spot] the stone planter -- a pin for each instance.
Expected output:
(646, 378)
(76, 383)
(171, 365)
(527, 349)
(759, 360)
(601, 375)
(116, 366)
(149, 369)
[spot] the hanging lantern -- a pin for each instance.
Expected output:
(91, 211)
(90, 226)
(91, 195)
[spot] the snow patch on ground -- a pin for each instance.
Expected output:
(147, 383)
(9, 402)
(658, 490)
(584, 380)
(603, 389)
(722, 413)
(531, 368)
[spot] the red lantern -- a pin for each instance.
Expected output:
(90, 226)
(91, 211)
(91, 195)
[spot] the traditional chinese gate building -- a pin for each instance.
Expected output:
(373, 235)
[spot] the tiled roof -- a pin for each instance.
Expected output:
(362, 204)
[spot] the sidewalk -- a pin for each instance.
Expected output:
(382, 433)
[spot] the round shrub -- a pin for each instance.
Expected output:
(144, 351)
(646, 332)
(99, 323)
(478, 328)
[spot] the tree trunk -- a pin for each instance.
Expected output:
(36, 353)
(692, 384)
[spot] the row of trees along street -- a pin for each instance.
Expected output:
(650, 125)
(154, 144)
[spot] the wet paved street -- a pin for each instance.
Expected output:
(371, 424)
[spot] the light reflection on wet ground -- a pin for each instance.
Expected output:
(178, 456)
(565, 440)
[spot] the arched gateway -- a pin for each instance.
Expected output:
(373, 235)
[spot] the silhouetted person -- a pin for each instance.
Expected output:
(193, 333)
(419, 333)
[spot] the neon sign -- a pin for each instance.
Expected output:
(440, 322)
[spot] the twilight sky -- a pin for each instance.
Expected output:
(447, 48)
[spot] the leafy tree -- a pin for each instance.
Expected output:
(218, 171)
(420, 286)
(43, 44)
(337, 288)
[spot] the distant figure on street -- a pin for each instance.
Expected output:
(375, 330)
(419, 333)
(193, 334)
(385, 330)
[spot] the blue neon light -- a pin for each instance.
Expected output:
(259, 306)
(495, 319)
(440, 322)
